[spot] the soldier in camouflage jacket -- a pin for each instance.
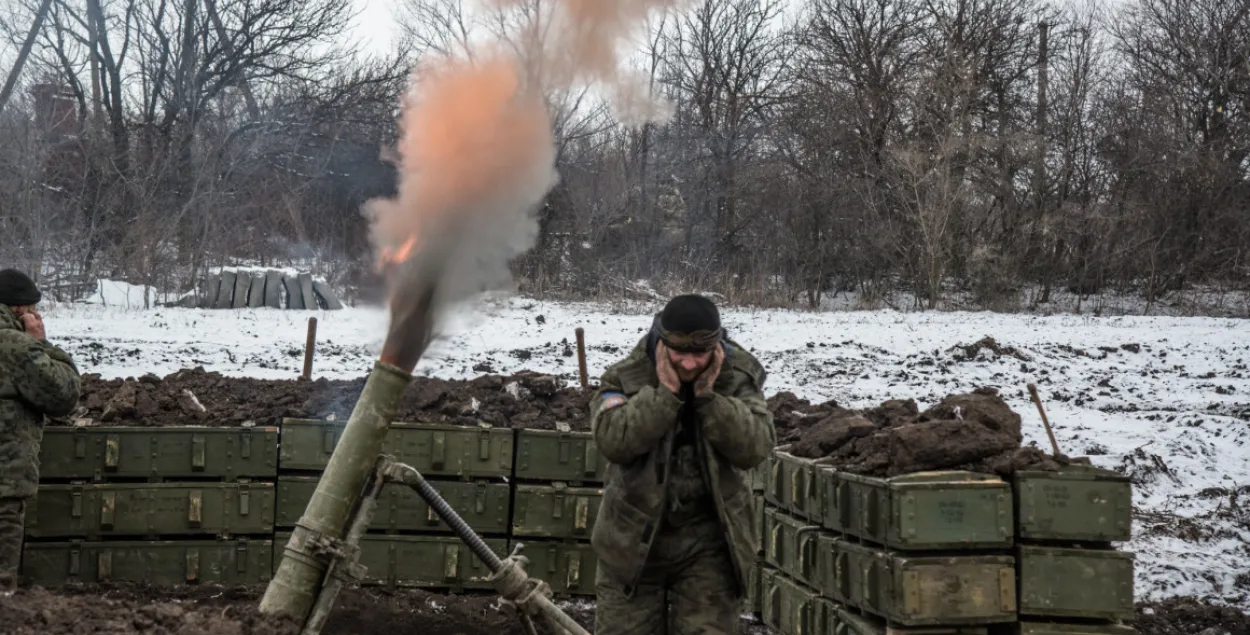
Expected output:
(37, 379)
(681, 421)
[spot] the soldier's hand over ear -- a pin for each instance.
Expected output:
(32, 323)
(707, 379)
(664, 368)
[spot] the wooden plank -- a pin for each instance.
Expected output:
(294, 297)
(330, 301)
(256, 296)
(209, 290)
(273, 289)
(242, 284)
(306, 288)
(226, 294)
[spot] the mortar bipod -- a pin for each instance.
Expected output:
(530, 596)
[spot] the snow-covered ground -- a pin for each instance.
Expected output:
(1166, 399)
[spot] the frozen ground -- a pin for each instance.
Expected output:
(1167, 399)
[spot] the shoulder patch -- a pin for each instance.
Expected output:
(612, 400)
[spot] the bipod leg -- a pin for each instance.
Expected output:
(529, 624)
(530, 596)
(345, 566)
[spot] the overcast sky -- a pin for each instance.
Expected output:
(375, 24)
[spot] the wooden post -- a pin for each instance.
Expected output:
(1046, 422)
(310, 346)
(581, 357)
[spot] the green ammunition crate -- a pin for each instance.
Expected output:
(849, 623)
(567, 567)
(551, 455)
(436, 562)
(927, 510)
(827, 620)
(769, 606)
(829, 566)
(1052, 628)
(930, 590)
(51, 564)
(790, 545)
(1075, 583)
(760, 507)
(102, 453)
(772, 482)
(434, 450)
(790, 607)
(1080, 503)
(554, 511)
(825, 485)
(483, 505)
(792, 484)
(151, 509)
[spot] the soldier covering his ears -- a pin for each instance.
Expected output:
(681, 421)
(37, 379)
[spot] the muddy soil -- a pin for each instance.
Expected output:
(975, 431)
(199, 397)
(1189, 616)
(129, 608)
(125, 608)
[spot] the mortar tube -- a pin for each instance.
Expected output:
(297, 583)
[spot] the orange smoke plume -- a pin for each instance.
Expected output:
(477, 158)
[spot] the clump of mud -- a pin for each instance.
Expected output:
(969, 352)
(199, 397)
(1189, 616)
(975, 431)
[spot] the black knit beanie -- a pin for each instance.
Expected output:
(17, 289)
(690, 322)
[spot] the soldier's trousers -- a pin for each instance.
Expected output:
(12, 526)
(687, 588)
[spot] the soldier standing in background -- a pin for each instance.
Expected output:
(681, 420)
(37, 379)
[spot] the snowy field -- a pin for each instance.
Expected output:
(1166, 399)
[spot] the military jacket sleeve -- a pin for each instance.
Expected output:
(627, 427)
(48, 379)
(736, 418)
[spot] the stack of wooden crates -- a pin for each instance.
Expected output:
(177, 505)
(558, 485)
(407, 545)
(534, 488)
(158, 505)
(942, 553)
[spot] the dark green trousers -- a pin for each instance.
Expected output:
(687, 588)
(12, 528)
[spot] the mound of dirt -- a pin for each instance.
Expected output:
(1189, 616)
(965, 431)
(976, 431)
(199, 397)
(969, 352)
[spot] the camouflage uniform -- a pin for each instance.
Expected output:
(36, 379)
(675, 535)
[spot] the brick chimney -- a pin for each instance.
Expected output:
(56, 110)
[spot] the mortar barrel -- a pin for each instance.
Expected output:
(296, 584)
